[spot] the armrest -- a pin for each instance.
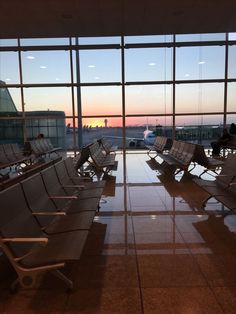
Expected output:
(49, 214)
(82, 178)
(44, 241)
(73, 186)
(70, 197)
(225, 175)
(26, 240)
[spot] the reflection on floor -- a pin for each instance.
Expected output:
(152, 249)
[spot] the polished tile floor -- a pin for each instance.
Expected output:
(151, 249)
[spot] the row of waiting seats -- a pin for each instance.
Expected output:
(25, 172)
(17, 160)
(107, 146)
(98, 159)
(41, 147)
(181, 154)
(45, 220)
(11, 155)
(223, 188)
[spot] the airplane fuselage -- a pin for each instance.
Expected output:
(149, 137)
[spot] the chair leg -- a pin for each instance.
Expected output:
(14, 285)
(61, 276)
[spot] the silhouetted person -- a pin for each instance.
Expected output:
(232, 129)
(41, 135)
(222, 141)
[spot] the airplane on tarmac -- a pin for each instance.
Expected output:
(149, 137)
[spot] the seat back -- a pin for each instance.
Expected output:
(200, 156)
(83, 157)
(35, 148)
(62, 173)
(160, 143)
(106, 145)
(181, 149)
(16, 150)
(96, 154)
(51, 181)
(16, 220)
(53, 186)
(228, 171)
(70, 167)
(37, 197)
(188, 153)
(3, 159)
(174, 149)
(9, 152)
(48, 143)
(40, 145)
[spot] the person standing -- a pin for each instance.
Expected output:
(223, 140)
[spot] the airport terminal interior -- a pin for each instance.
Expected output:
(117, 189)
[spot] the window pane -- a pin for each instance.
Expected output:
(100, 66)
(232, 36)
(101, 100)
(153, 123)
(200, 37)
(149, 64)
(46, 67)
(198, 98)
(199, 129)
(9, 67)
(53, 98)
(148, 99)
(44, 41)
(148, 39)
(11, 131)
(8, 42)
(10, 99)
(199, 120)
(95, 128)
(98, 40)
(231, 118)
(50, 124)
(231, 99)
(200, 63)
(232, 62)
(136, 127)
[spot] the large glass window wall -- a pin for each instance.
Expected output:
(117, 86)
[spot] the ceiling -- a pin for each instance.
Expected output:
(62, 18)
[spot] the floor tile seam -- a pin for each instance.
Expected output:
(194, 258)
(187, 286)
(136, 257)
(199, 267)
(216, 298)
(66, 302)
(138, 272)
(178, 286)
(164, 201)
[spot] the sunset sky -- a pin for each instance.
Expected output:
(146, 64)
